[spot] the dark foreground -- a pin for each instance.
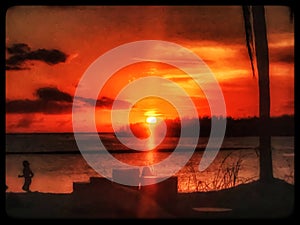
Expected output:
(256, 200)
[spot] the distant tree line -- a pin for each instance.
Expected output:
(279, 126)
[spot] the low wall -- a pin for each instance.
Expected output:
(164, 192)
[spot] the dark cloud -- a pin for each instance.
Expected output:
(20, 53)
(16, 61)
(51, 57)
(105, 102)
(53, 94)
(19, 48)
(50, 101)
(37, 106)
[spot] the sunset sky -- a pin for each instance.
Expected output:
(49, 48)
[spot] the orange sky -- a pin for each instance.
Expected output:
(49, 49)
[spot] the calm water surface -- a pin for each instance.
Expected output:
(55, 173)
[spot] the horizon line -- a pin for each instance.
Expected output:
(110, 132)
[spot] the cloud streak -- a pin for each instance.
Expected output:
(51, 100)
(105, 102)
(53, 94)
(20, 53)
(37, 106)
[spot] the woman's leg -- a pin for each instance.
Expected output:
(26, 184)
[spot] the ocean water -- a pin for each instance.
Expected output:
(57, 163)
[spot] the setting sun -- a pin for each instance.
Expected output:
(151, 119)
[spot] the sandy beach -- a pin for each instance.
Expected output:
(256, 200)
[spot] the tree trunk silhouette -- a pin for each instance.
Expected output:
(255, 25)
(262, 61)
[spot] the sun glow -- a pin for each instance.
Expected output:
(151, 119)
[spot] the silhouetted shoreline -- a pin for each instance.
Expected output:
(242, 127)
(255, 200)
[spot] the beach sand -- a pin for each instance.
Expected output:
(254, 200)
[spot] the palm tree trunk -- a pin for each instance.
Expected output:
(262, 59)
